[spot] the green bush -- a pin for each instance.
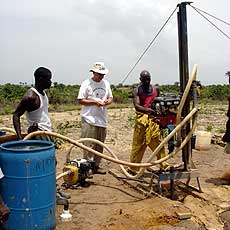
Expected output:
(64, 97)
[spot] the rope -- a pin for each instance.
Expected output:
(211, 22)
(146, 49)
(212, 16)
(199, 12)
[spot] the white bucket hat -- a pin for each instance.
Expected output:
(99, 67)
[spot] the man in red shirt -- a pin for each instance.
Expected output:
(146, 131)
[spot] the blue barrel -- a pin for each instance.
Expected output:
(29, 184)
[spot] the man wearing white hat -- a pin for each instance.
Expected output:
(95, 95)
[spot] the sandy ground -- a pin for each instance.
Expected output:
(112, 204)
(109, 203)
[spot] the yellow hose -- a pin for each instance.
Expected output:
(63, 174)
(185, 94)
(10, 130)
(77, 143)
(144, 165)
(149, 163)
(114, 158)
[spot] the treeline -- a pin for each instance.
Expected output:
(65, 95)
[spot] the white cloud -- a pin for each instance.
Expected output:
(69, 35)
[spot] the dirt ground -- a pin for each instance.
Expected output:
(109, 203)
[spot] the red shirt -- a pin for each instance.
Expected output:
(146, 97)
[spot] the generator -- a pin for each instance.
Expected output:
(165, 112)
(165, 109)
(81, 169)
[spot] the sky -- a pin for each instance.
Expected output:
(69, 36)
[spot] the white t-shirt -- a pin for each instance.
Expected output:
(40, 115)
(99, 91)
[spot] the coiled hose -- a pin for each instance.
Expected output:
(150, 162)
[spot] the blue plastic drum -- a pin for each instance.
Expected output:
(29, 184)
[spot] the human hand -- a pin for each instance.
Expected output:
(103, 103)
(149, 111)
(4, 214)
(33, 128)
(106, 101)
(100, 103)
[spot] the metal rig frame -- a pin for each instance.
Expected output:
(189, 171)
(184, 74)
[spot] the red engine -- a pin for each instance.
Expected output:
(165, 109)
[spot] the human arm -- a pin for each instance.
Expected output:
(137, 104)
(83, 95)
(109, 94)
(88, 102)
(89, 95)
(16, 121)
(108, 101)
(29, 102)
(4, 212)
(228, 112)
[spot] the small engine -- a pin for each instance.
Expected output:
(81, 170)
(165, 109)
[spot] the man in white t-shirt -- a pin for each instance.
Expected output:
(95, 95)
